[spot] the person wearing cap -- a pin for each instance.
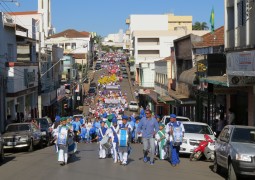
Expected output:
(176, 131)
(148, 126)
(102, 132)
(123, 151)
(114, 130)
(161, 137)
(62, 142)
(158, 118)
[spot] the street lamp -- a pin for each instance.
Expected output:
(14, 1)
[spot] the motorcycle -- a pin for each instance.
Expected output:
(203, 149)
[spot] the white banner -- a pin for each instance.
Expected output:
(112, 87)
(112, 101)
(241, 63)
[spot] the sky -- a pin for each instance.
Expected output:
(108, 16)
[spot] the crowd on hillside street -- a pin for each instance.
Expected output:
(115, 133)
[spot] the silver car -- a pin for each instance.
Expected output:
(235, 151)
(22, 135)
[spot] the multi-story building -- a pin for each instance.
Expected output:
(39, 27)
(19, 78)
(240, 53)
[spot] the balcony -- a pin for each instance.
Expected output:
(128, 21)
(127, 32)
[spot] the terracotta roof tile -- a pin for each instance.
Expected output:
(86, 33)
(23, 13)
(70, 33)
(212, 39)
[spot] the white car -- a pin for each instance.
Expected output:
(166, 119)
(194, 134)
(133, 106)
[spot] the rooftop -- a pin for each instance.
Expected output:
(212, 39)
(71, 33)
(23, 13)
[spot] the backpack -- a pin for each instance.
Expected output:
(177, 134)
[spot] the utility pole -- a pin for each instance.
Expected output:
(39, 80)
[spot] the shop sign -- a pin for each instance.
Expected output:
(241, 63)
(241, 80)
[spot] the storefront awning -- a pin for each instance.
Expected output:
(182, 99)
(216, 80)
(188, 76)
(154, 96)
(166, 99)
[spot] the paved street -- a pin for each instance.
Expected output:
(42, 164)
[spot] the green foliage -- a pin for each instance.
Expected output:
(200, 26)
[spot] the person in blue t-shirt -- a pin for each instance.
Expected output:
(83, 133)
(76, 128)
(148, 126)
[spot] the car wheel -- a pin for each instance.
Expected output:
(231, 172)
(31, 146)
(216, 167)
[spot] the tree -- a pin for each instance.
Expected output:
(200, 26)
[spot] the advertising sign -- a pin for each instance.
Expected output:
(241, 63)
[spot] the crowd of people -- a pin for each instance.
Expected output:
(114, 134)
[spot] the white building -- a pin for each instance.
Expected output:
(151, 46)
(19, 80)
(74, 43)
(240, 53)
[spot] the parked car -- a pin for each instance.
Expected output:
(124, 75)
(97, 67)
(22, 135)
(123, 68)
(133, 106)
(44, 125)
(92, 92)
(93, 85)
(166, 119)
(235, 151)
(194, 134)
(1, 149)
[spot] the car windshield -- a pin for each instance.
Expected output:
(16, 128)
(197, 129)
(133, 103)
(244, 135)
(177, 119)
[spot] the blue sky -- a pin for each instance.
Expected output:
(108, 16)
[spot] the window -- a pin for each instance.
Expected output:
(241, 13)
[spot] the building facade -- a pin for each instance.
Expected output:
(239, 48)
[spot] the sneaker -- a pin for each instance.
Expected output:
(151, 163)
(145, 160)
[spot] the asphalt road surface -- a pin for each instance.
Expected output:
(42, 164)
